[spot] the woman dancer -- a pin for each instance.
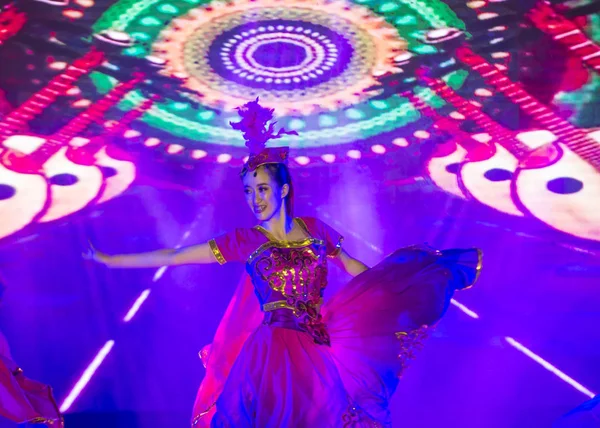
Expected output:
(289, 360)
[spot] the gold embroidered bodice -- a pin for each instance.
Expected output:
(289, 278)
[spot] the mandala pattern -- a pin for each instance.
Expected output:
(303, 57)
(309, 59)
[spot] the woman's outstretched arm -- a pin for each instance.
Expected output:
(195, 254)
(348, 263)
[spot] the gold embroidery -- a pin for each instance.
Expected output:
(282, 304)
(478, 268)
(284, 244)
(202, 414)
(217, 253)
(410, 342)
(292, 273)
(303, 226)
(273, 306)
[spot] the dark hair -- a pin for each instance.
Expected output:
(280, 173)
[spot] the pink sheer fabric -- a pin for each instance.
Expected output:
(22, 399)
(241, 317)
(279, 374)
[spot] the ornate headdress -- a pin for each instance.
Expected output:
(256, 133)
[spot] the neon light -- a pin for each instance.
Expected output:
(85, 3)
(545, 364)
(87, 375)
(131, 133)
(400, 142)
(297, 124)
(378, 149)
(406, 20)
(400, 18)
(199, 154)
(143, 37)
(59, 65)
(329, 158)
(180, 106)
(463, 308)
(150, 21)
(422, 134)
(302, 160)
(388, 7)
(354, 154)
(327, 121)
(159, 273)
(174, 148)
(224, 158)
(379, 105)
(425, 49)
(206, 115)
(476, 4)
(81, 103)
(355, 114)
(152, 142)
(72, 13)
(168, 9)
(136, 305)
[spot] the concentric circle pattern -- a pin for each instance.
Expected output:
(311, 60)
(309, 55)
(338, 46)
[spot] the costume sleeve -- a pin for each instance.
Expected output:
(321, 230)
(228, 247)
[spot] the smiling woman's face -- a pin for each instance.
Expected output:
(263, 195)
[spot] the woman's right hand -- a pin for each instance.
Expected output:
(92, 254)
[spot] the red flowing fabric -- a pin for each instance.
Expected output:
(21, 399)
(366, 319)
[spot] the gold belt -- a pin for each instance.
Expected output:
(280, 304)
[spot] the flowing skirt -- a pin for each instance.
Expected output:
(282, 378)
(22, 399)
